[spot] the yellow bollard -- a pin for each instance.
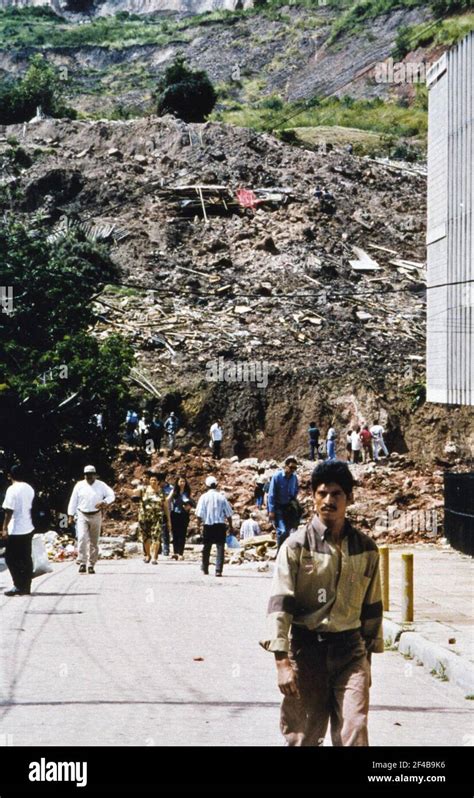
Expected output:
(384, 577)
(407, 588)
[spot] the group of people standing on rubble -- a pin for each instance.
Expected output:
(362, 443)
(146, 429)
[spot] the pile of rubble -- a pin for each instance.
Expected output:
(59, 547)
(227, 249)
(64, 547)
(260, 548)
(395, 502)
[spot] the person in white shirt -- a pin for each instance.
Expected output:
(216, 439)
(213, 511)
(331, 443)
(88, 499)
(18, 529)
(249, 527)
(377, 432)
(356, 444)
(143, 426)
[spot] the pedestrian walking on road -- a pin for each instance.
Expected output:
(214, 512)
(89, 497)
(325, 621)
(331, 443)
(366, 438)
(216, 439)
(281, 497)
(153, 515)
(356, 445)
(18, 530)
(313, 433)
(377, 432)
(171, 428)
(166, 529)
(180, 504)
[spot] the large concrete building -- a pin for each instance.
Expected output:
(450, 237)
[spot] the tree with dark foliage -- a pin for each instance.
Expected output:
(184, 93)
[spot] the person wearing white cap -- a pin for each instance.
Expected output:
(214, 512)
(88, 499)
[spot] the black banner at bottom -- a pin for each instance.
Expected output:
(173, 771)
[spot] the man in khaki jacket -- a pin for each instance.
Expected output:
(325, 619)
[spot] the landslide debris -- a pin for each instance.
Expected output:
(395, 502)
(288, 281)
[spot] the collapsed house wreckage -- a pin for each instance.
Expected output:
(204, 200)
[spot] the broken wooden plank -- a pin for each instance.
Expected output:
(364, 263)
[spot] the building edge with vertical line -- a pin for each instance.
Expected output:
(450, 229)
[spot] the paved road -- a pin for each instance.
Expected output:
(111, 659)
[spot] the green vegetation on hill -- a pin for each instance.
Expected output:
(40, 86)
(187, 93)
(34, 27)
(390, 118)
(444, 7)
(443, 31)
(352, 21)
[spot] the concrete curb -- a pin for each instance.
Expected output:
(392, 631)
(445, 663)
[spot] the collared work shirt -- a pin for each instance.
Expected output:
(86, 497)
(213, 508)
(326, 590)
(282, 490)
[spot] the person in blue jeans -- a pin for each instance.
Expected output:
(331, 443)
(283, 490)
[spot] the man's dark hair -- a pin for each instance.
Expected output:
(312, 423)
(18, 473)
(291, 459)
(336, 471)
(160, 475)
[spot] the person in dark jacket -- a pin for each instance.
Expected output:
(313, 433)
(180, 506)
(155, 431)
